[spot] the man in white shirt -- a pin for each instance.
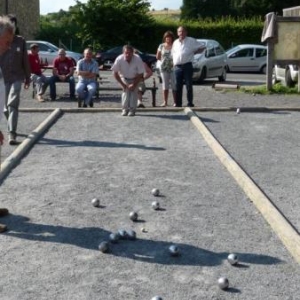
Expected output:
(183, 51)
(7, 30)
(128, 70)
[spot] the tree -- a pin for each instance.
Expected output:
(113, 22)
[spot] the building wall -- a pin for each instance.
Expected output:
(27, 13)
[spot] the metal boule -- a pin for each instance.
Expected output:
(133, 216)
(155, 192)
(223, 283)
(104, 247)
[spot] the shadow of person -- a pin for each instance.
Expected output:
(143, 250)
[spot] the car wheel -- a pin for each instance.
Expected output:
(222, 78)
(263, 69)
(288, 79)
(202, 75)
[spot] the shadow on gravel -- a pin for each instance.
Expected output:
(143, 250)
(170, 117)
(100, 144)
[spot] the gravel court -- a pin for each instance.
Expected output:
(51, 249)
(266, 145)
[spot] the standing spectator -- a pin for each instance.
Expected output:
(63, 71)
(164, 55)
(87, 70)
(128, 70)
(16, 71)
(40, 81)
(183, 51)
(7, 29)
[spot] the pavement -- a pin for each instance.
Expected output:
(228, 183)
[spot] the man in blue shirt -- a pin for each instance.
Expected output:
(87, 70)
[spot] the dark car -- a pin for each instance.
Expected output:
(107, 58)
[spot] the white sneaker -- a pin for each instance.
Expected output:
(124, 112)
(131, 114)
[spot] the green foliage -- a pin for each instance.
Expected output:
(114, 22)
(277, 88)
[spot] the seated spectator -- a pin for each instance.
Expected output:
(87, 70)
(38, 78)
(63, 71)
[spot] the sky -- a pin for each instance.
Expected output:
(47, 6)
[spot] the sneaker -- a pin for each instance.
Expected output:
(91, 104)
(84, 105)
(190, 105)
(124, 112)
(3, 212)
(40, 98)
(131, 114)
(3, 228)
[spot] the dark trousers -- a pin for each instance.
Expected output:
(184, 74)
(54, 79)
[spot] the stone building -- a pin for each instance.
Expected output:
(27, 13)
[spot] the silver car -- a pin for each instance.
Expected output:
(287, 74)
(209, 64)
(50, 52)
(247, 58)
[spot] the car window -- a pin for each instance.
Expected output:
(211, 52)
(219, 50)
(261, 52)
(44, 47)
(248, 52)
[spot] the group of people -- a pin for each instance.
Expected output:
(176, 69)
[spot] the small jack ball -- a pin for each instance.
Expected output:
(155, 205)
(96, 202)
(155, 192)
(233, 259)
(133, 216)
(223, 283)
(103, 247)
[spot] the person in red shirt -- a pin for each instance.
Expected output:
(63, 71)
(38, 78)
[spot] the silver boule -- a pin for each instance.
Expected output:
(133, 216)
(157, 298)
(96, 202)
(114, 237)
(131, 234)
(155, 205)
(155, 192)
(223, 283)
(233, 259)
(238, 111)
(174, 250)
(122, 234)
(103, 247)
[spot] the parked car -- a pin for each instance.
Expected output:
(247, 58)
(50, 52)
(209, 64)
(107, 58)
(285, 73)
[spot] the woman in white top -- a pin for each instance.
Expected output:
(166, 68)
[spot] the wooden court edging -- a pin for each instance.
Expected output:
(12, 160)
(285, 231)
